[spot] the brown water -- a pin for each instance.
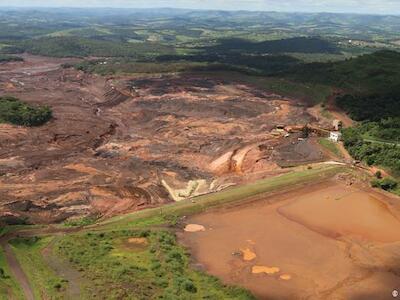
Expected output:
(328, 241)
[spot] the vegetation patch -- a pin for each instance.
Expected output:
(387, 184)
(84, 221)
(16, 112)
(158, 269)
(9, 58)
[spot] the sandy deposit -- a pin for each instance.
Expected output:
(194, 228)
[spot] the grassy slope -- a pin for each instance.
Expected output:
(8, 285)
(45, 283)
(331, 147)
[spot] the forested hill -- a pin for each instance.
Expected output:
(374, 73)
(297, 44)
(71, 46)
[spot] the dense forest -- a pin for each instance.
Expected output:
(81, 47)
(376, 73)
(370, 107)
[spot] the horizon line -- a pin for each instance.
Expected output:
(194, 9)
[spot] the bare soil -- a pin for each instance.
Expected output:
(326, 241)
(114, 140)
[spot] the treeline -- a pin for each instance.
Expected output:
(381, 154)
(69, 46)
(9, 58)
(370, 107)
(16, 112)
(297, 44)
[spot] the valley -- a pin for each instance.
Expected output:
(198, 154)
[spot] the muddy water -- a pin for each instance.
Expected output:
(328, 241)
(339, 212)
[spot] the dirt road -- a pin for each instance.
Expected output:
(16, 269)
(61, 268)
(64, 270)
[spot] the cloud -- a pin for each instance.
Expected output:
(359, 6)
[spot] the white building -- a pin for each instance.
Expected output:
(335, 136)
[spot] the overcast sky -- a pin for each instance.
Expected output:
(356, 6)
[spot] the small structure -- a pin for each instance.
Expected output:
(337, 125)
(335, 136)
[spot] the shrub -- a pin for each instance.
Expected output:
(2, 274)
(189, 286)
(58, 286)
(386, 184)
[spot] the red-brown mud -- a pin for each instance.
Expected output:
(119, 144)
(325, 241)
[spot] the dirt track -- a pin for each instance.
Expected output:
(328, 241)
(65, 271)
(16, 269)
(113, 141)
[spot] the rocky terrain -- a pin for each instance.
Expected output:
(119, 144)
